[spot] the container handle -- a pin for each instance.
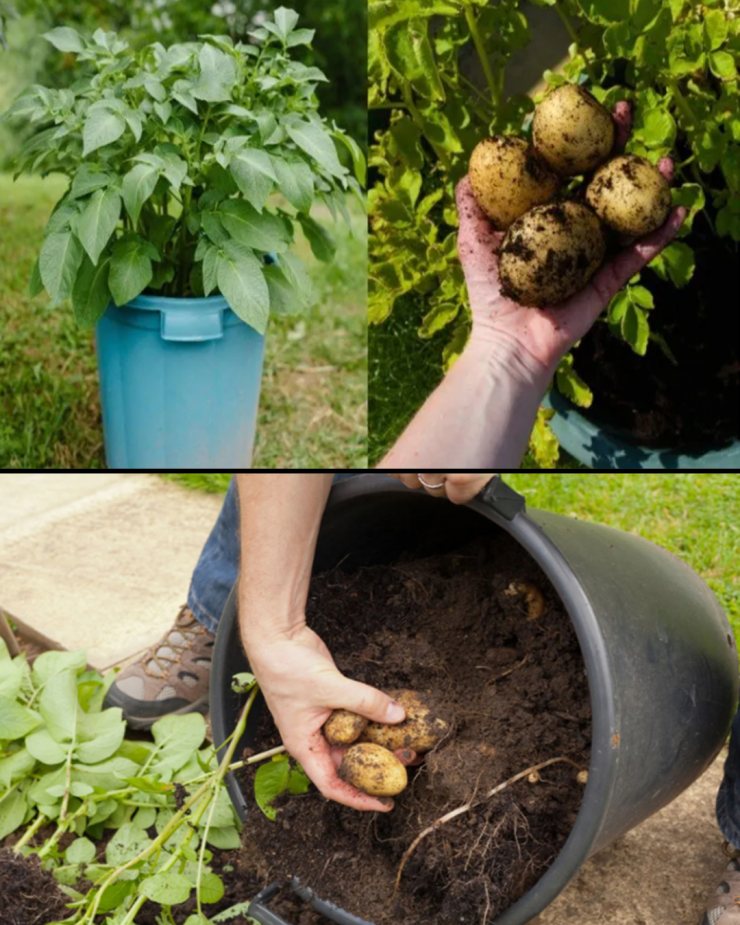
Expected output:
(502, 498)
(260, 911)
(184, 324)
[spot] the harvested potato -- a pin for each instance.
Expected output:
(373, 769)
(630, 194)
(344, 727)
(533, 598)
(550, 253)
(421, 730)
(572, 130)
(508, 177)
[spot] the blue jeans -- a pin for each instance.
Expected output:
(728, 800)
(218, 565)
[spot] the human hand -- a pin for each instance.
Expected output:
(302, 685)
(539, 338)
(459, 487)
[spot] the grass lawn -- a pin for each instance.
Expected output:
(697, 517)
(312, 410)
(403, 370)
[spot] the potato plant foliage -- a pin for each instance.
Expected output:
(674, 60)
(172, 156)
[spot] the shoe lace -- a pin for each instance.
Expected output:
(187, 634)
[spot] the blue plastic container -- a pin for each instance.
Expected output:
(599, 448)
(179, 384)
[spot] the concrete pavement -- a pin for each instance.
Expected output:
(99, 562)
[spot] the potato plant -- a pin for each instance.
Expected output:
(674, 60)
(65, 762)
(172, 156)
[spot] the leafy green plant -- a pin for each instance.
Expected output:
(674, 60)
(173, 155)
(65, 761)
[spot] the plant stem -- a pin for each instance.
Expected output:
(419, 121)
(263, 756)
(483, 57)
(574, 37)
(30, 832)
(681, 102)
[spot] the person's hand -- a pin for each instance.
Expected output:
(459, 487)
(302, 685)
(539, 338)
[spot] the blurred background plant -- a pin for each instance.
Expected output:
(340, 44)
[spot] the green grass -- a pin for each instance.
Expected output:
(697, 517)
(312, 409)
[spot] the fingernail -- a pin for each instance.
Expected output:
(407, 755)
(386, 801)
(394, 712)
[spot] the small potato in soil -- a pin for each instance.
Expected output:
(344, 727)
(630, 194)
(373, 769)
(421, 730)
(550, 253)
(572, 130)
(508, 177)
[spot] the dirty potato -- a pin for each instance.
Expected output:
(572, 130)
(344, 727)
(630, 195)
(508, 177)
(550, 253)
(421, 730)
(373, 769)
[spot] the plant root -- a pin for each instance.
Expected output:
(453, 814)
(509, 671)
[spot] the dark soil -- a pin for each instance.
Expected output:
(694, 405)
(515, 693)
(30, 895)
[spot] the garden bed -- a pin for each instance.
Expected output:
(516, 694)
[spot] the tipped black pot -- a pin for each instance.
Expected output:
(658, 649)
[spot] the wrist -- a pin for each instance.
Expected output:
(496, 354)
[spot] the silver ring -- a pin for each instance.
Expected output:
(427, 485)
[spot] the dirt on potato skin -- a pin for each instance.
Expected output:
(515, 693)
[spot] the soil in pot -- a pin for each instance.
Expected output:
(694, 403)
(30, 894)
(516, 694)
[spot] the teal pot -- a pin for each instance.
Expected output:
(607, 448)
(179, 384)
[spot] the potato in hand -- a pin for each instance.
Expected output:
(344, 727)
(373, 769)
(420, 731)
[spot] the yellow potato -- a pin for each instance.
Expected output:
(373, 769)
(550, 253)
(344, 727)
(572, 130)
(421, 730)
(508, 177)
(630, 194)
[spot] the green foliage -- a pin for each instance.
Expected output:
(65, 760)
(172, 154)
(275, 777)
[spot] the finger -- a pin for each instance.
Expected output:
(615, 274)
(317, 762)
(667, 168)
(408, 757)
(477, 240)
(461, 488)
(622, 116)
(367, 701)
(409, 479)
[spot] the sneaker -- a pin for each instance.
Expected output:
(723, 907)
(172, 677)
